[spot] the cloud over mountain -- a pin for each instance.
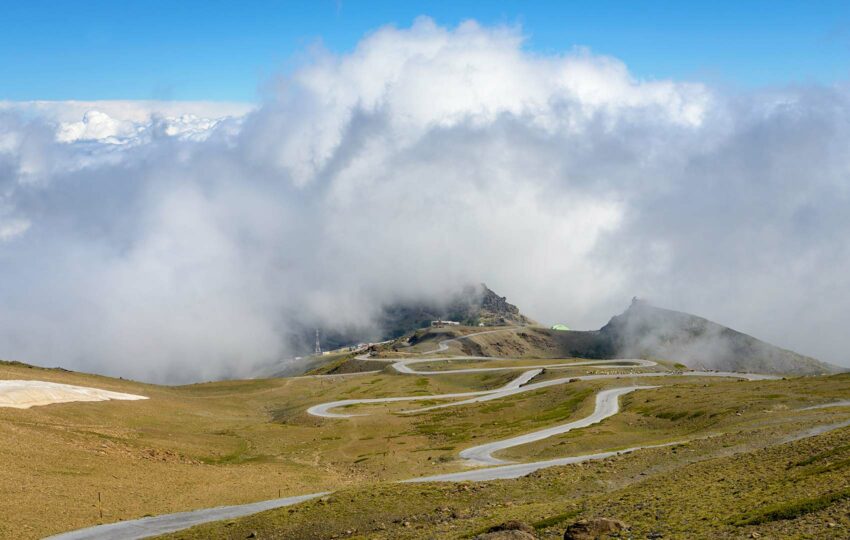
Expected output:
(181, 245)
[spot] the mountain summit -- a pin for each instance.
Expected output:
(471, 306)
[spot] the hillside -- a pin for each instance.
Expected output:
(698, 490)
(645, 331)
(232, 442)
(193, 446)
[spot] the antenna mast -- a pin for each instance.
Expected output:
(318, 349)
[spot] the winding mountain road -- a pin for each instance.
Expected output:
(606, 405)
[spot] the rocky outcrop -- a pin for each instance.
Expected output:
(496, 310)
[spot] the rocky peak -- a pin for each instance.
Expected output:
(495, 309)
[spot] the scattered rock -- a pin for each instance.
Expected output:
(591, 529)
(252, 534)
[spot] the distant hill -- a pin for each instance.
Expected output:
(642, 330)
(647, 331)
(471, 306)
(699, 343)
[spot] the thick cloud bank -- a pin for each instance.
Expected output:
(428, 158)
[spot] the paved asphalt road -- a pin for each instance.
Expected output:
(607, 404)
(152, 526)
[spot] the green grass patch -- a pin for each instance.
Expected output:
(555, 520)
(564, 409)
(496, 407)
(672, 416)
(793, 509)
(821, 456)
(239, 455)
(830, 467)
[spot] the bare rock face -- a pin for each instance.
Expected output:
(496, 310)
(592, 529)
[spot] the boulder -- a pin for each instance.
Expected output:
(592, 529)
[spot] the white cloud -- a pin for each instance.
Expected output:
(426, 159)
(95, 125)
(13, 228)
(133, 111)
(127, 122)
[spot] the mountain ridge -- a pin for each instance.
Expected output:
(642, 330)
(699, 343)
(646, 331)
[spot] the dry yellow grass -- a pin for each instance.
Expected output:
(195, 446)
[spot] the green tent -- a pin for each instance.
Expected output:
(560, 327)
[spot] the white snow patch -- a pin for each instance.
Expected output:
(26, 394)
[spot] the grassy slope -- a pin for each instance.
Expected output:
(709, 488)
(231, 442)
(191, 447)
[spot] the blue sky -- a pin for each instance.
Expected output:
(213, 50)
